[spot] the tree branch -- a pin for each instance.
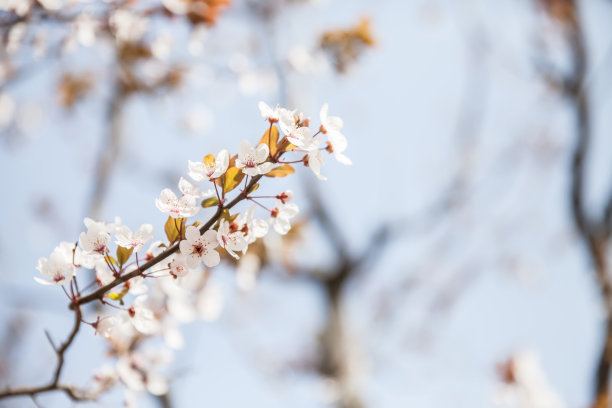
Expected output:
(74, 393)
(98, 294)
(595, 232)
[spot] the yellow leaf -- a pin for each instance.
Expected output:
(271, 139)
(172, 232)
(281, 171)
(233, 177)
(123, 254)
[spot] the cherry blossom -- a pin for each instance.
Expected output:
(208, 170)
(106, 325)
(127, 239)
(251, 227)
(183, 207)
(231, 240)
(270, 114)
(251, 160)
(190, 189)
(331, 125)
(285, 196)
(178, 266)
(104, 275)
(58, 267)
(197, 248)
(97, 237)
(315, 160)
(300, 136)
(142, 317)
(282, 217)
(139, 371)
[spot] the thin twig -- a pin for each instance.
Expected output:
(74, 393)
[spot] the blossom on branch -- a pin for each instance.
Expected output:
(210, 168)
(331, 125)
(190, 189)
(183, 207)
(272, 115)
(231, 239)
(281, 217)
(252, 160)
(97, 237)
(127, 239)
(58, 268)
(197, 248)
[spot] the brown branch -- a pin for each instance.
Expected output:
(594, 231)
(334, 362)
(74, 393)
(77, 394)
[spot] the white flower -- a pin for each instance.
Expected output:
(105, 326)
(58, 267)
(285, 196)
(96, 239)
(190, 189)
(331, 126)
(207, 170)
(142, 317)
(251, 227)
(270, 114)
(178, 266)
(251, 160)
(197, 248)
(231, 241)
(104, 275)
(183, 207)
(282, 217)
(525, 384)
(299, 136)
(140, 371)
(315, 161)
(126, 239)
(104, 379)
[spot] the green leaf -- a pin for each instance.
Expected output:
(210, 202)
(281, 171)
(123, 254)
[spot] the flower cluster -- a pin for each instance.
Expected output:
(179, 294)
